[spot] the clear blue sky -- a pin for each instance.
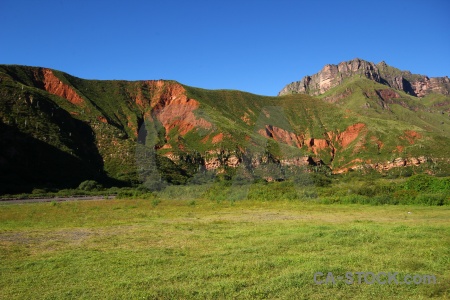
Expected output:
(255, 46)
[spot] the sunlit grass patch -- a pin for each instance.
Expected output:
(243, 249)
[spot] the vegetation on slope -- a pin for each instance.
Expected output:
(59, 130)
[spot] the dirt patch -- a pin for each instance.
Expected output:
(411, 136)
(350, 134)
(218, 138)
(205, 139)
(399, 148)
(246, 118)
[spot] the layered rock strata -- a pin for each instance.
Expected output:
(333, 75)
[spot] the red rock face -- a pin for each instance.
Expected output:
(156, 90)
(168, 103)
(343, 139)
(218, 138)
(281, 135)
(173, 108)
(292, 139)
(350, 134)
(317, 145)
(54, 86)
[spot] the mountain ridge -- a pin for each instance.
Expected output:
(57, 129)
(332, 75)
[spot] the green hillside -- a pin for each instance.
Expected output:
(388, 119)
(57, 130)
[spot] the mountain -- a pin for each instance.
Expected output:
(57, 130)
(334, 75)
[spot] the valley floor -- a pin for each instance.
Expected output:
(182, 249)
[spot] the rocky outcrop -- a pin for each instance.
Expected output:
(297, 161)
(333, 141)
(333, 75)
(168, 103)
(398, 162)
(174, 109)
(317, 145)
(425, 85)
(387, 94)
(55, 86)
(281, 135)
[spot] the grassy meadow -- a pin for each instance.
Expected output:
(250, 249)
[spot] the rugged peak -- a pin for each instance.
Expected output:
(333, 75)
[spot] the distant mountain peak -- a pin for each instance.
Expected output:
(333, 75)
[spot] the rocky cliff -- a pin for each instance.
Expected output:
(333, 75)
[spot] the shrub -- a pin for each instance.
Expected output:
(354, 199)
(349, 199)
(368, 189)
(303, 179)
(441, 184)
(419, 182)
(404, 196)
(386, 189)
(125, 194)
(68, 192)
(39, 191)
(153, 185)
(311, 194)
(383, 199)
(202, 178)
(90, 185)
(427, 183)
(431, 199)
(320, 180)
(330, 200)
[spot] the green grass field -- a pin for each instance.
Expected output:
(183, 249)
